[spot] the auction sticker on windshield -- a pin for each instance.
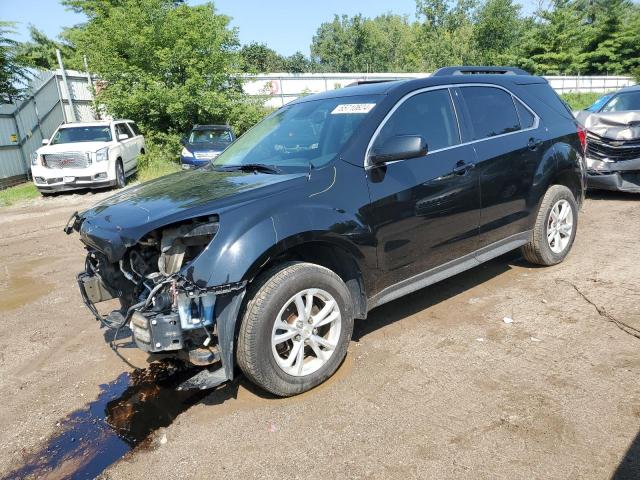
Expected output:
(353, 108)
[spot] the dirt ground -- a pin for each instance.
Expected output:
(436, 385)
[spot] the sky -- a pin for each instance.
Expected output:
(284, 25)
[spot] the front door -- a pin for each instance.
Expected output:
(424, 211)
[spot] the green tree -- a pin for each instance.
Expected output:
(555, 40)
(258, 58)
(497, 31)
(40, 51)
(359, 44)
(166, 64)
(446, 33)
(13, 75)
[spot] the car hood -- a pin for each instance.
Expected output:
(612, 125)
(120, 221)
(73, 147)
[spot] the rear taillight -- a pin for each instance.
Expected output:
(582, 135)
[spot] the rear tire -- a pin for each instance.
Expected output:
(120, 178)
(296, 328)
(555, 228)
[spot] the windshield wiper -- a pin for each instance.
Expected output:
(250, 167)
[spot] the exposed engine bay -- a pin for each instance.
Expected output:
(166, 313)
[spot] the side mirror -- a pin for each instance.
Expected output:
(399, 147)
(183, 141)
(45, 141)
(122, 136)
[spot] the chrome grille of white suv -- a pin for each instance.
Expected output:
(66, 160)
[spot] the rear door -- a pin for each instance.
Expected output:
(424, 211)
(128, 146)
(504, 133)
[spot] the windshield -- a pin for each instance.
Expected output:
(82, 134)
(298, 135)
(210, 136)
(623, 102)
(598, 103)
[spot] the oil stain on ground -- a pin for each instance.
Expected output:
(126, 411)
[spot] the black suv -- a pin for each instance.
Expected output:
(331, 206)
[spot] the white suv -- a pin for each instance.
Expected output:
(87, 155)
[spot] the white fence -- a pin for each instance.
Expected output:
(281, 88)
(24, 125)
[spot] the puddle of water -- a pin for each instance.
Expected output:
(126, 411)
(20, 286)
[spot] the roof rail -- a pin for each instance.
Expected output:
(368, 82)
(478, 70)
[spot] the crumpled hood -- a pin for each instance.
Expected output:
(120, 221)
(613, 125)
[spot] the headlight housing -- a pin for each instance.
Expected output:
(186, 153)
(102, 154)
(34, 158)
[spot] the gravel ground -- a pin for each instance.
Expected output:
(435, 385)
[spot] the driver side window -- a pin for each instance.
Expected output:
(430, 115)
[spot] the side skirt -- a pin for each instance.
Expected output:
(448, 269)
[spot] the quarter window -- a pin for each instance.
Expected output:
(492, 111)
(527, 120)
(134, 128)
(430, 115)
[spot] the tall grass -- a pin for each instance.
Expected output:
(581, 100)
(11, 195)
(161, 156)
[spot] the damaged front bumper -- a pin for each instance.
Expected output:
(613, 164)
(167, 314)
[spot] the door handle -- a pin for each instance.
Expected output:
(462, 168)
(534, 143)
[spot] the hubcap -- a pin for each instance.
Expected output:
(560, 226)
(306, 332)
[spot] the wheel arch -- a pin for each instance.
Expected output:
(332, 253)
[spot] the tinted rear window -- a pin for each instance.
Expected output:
(492, 111)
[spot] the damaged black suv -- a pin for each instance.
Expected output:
(331, 206)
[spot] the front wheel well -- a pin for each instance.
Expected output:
(333, 257)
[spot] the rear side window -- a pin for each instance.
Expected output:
(134, 128)
(527, 120)
(429, 114)
(121, 128)
(491, 110)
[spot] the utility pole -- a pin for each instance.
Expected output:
(66, 86)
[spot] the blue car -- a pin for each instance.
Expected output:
(204, 143)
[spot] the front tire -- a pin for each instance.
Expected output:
(555, 228)
(120, 178)
(296, 328)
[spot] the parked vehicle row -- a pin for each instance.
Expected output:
(331, 206)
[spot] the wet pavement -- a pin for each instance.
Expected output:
(126, 411)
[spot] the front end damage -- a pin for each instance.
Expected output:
(613, 151)
(167, 314)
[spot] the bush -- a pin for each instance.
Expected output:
(580, 100)
(161, 155)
